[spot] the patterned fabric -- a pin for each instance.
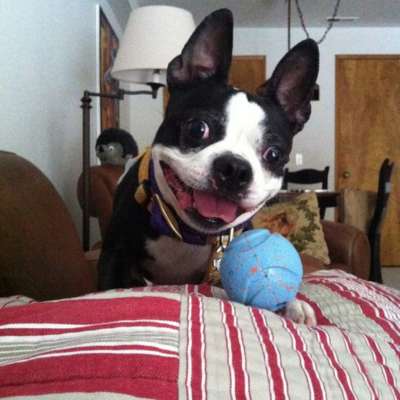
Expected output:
(190, 342)
(299, 221)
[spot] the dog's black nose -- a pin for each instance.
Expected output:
(231, 173)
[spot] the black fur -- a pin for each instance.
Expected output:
(123, 245)
(197, 81)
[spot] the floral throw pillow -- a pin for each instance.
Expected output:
(298, 220)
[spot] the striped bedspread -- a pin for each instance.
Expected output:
(190, 342)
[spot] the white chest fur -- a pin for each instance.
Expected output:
(175, 262)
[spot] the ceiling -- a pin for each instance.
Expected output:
(273, 13)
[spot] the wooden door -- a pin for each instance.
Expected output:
(368, 131)
(246, 73)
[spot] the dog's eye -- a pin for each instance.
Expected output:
(272, 155)
(198, 129)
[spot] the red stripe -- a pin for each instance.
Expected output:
(228, 350)
(272, 356)
(197, 350)
(204, 363)
(239, 379)
(361, 367)
(139, 387)
(386, 370)
(309, 367)
(142, 375)
(341, 374)
(190, 289)
(188, 348)
(368, 310)
(205, 289)
(92, 311)
(243, 355)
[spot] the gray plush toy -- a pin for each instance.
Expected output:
(115, 146)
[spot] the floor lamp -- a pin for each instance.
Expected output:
(154, 35)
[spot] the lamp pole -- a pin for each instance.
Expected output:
(289, 22)
(86, 184)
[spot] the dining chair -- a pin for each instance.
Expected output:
(374, 231)
(307, 176)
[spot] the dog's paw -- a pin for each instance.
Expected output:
(300, 312)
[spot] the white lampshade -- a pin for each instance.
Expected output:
(154, 35)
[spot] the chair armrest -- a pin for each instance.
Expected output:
(104, 180)
(349, 246)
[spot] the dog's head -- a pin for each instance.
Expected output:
(220, 152)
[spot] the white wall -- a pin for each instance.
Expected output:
(48, 58)
(317, 141)
(143, 116)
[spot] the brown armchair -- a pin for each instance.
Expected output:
(103, 182)
(41, 254)
(348, 248)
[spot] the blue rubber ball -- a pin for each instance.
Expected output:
(261, 269)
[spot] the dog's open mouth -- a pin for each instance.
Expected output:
(204, 206)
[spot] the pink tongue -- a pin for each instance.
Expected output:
(210, 206)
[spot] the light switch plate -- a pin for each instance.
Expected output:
(299, 159)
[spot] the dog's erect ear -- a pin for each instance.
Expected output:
(292, 82)
(207, 54)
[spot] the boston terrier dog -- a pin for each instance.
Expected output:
(217, 157)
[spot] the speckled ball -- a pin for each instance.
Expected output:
(261, 269)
